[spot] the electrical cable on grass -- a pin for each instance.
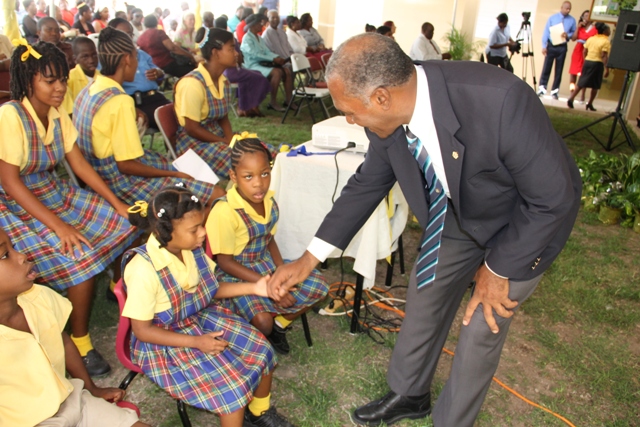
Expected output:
(374, 324)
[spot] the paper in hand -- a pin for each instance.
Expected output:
(555, 34)
(192, 164)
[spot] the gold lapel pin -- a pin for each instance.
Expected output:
(455, 155)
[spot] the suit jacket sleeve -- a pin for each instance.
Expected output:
(359, 198)
(545, 177)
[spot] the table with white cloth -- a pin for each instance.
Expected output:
(304, 186)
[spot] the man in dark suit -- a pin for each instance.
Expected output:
(482, 138)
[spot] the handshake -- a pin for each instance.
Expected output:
(286, 276)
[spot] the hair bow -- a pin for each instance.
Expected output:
(30, 51)
(139, 207)
(81, 5)
(239, 137)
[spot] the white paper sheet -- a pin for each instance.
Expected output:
(555, 34)
(192, 164)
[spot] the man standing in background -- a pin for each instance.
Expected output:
(557, 52)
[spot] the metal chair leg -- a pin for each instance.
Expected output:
(182, 411)
(387, 281)
(305, 327)
(127, 380)
(401, 254)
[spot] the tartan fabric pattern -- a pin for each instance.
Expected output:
(223, 383)
(257, 257)
(92, 216)
(216, 154)
(128, 188)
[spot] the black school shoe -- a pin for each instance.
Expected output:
(269, 418)
(392, 408)
(278, 339)
(95, 364)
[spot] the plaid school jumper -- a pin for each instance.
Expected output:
(90, 214)
(216, 154)
(223, 383)
(257, 257)
(129, 188)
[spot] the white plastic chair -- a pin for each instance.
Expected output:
(302, 68)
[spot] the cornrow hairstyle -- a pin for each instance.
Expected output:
(167, 205)
(216, 39)
(113, 45)
(52, 63)
(79, 41)
(117, 21)
(248, 145)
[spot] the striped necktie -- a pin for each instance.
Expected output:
(437, 199)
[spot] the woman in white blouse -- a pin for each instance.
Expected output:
(297, 42)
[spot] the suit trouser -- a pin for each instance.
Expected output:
(557, 54)
(429, 314)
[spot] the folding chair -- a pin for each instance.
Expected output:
(301, 66)
(94, 38)
(316, 69)
(168, 123)
(233, 105)
(303, 317)
(325, 58)
(123, 351)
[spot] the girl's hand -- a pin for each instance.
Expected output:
(286, 301)
(110, 394)
(261, 286)
(70, 238)
(122, 210)
(182, 175)
(210, 344)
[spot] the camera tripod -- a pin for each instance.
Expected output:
(525, 34)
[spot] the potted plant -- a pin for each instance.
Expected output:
(461, 47)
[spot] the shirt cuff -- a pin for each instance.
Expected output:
(489, 268)
(320, 249)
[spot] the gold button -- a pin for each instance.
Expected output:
(455, 155)
(438, 190)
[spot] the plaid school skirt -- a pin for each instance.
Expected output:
(222, 383)
(90, 214)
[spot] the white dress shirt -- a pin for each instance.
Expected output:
(297, 42)
(424, 49)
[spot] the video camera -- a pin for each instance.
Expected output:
(526, 16)
(516, 47)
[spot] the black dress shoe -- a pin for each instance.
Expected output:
(278, 340)
(95, 364)
(391, 408)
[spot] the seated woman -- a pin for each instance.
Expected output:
(100, 19)
(258, 57)
(83, 24)
(185, 36)
(106, 121)
(202, 102)
(298, 43)
(166, 54)
(310, 34)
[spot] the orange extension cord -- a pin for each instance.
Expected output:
(337, 285)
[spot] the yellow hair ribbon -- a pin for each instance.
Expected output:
(139, 207)
(30, 51)
(80, 5)
(239, 137)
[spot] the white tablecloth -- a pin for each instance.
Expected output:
(303, 188)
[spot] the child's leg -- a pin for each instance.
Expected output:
(234, 419)
(263, 322)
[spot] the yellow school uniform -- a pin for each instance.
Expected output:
(32, 365)
(77, 81)
(226, 231)
(595, 46)
(145, 294)
(191, 98)
(15, 146)
(114, 125)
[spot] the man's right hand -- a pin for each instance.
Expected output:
(544, 51)
(288, 275)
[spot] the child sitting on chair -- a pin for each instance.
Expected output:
(35, 353)
(86, 58)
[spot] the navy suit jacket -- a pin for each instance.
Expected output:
(513, 183)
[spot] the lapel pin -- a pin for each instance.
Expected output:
(455, 155)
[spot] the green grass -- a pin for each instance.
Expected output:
(574, 347)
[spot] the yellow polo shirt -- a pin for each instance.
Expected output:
(145, 294)
(595, 46)
(190, 99)
(114, 125)
(77, 81)
(32, 365)
(226, 231)
(15, 147)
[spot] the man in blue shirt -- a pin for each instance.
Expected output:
(557, 52)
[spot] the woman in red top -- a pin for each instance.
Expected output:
(100, 19)
(585, 30)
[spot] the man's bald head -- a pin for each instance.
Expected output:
(565, 8)
(369, 61)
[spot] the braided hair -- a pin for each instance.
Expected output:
(113, 45)
(248, 145)
(216, 39)
(53, 63)
(166, 206)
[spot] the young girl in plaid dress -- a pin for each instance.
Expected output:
(184, 339)
(106, 121)
(202, 100)
(240, 231)
(71, 234)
